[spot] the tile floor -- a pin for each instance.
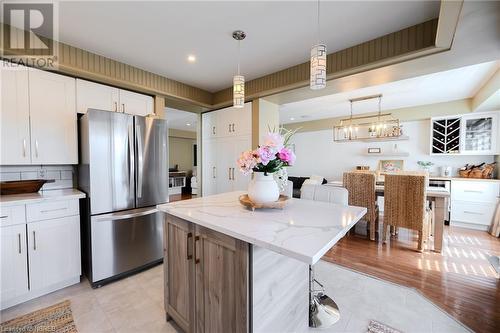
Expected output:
(135, 304)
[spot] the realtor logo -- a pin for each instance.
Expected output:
(28, 33)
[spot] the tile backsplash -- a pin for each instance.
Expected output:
(64, 175)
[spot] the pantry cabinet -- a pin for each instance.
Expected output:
(40, 244)
(91, 95)
(207, 276)
(38, 117)
(14, 116)
(226, 134)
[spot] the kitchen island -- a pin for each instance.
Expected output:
(230, 269)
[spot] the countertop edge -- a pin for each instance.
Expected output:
(47, 195)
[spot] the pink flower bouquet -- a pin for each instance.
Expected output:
(270, 157)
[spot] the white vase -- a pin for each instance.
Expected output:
(263, 188)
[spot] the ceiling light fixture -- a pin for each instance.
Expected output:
(191, 58)
(292, 118)
(239, 80)
(318, 62)
(188, 124)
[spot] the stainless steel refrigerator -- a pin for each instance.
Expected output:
(124, 172)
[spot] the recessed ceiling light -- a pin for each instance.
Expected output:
(191, 58)
(292, 118)
(188, 124)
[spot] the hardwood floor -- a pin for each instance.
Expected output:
(460, 280)
(178, 197)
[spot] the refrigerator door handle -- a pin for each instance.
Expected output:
(131, 156)
(121, 216)
(140, 160)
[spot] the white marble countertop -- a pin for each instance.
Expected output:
(304, 230)
(20, 199)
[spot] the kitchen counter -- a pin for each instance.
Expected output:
(304, 230)
(28, 198)
(248, 269)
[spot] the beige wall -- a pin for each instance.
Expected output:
(181, 152)
(405, 114)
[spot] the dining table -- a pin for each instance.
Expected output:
(438, 196)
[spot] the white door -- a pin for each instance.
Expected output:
(226, 161)
(241, 120)
(209, 125)
(240, 181)
(54, 251)
(53, 118)
(136, 104)
(90, 95)
(209, 169)
(14, 272)
(14, 116)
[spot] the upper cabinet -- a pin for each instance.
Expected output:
(14, 116)
(472, 134)
(228, 122)
(38, 117)
(91, 95)
(54, 137)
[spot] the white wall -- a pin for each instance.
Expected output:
(317, 153)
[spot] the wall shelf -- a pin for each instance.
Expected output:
(379, 139)
(389, 154)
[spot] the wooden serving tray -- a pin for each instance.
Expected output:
(22, 186)
(280, 204)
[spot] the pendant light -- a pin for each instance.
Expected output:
(239, 80)
(318, 62)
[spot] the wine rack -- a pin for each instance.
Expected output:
(446, 136)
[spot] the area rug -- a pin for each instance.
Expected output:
(56, 319)
(376, 327)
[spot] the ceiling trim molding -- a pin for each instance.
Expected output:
(83, 64)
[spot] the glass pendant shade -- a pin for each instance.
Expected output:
(318, 67)
(238, 91)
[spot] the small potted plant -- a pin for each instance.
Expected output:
(425, 165)
(267, 164)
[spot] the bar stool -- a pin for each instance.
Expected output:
(323, 311)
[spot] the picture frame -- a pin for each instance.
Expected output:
(391, 165)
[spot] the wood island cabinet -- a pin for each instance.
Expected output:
(206, 278)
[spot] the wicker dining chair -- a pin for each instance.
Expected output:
(405, 205)
(361, 188)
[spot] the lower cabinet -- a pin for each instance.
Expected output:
(206, 275)
(14, 280)
(41, 256)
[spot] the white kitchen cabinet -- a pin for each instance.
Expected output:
(226, 161)
(136, 104)
(473, 203)
(14, 116)
(209, 125)
(240, 181)
(14, 272)
(91, 95)
(52, 118)
(479, 134)
(209, 167)
(54, 252)
(233, 122)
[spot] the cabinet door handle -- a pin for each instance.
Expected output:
(116, 107)
(232, 173)
(19, 243)
(24, 147)
(4, 216)
(213, 130)
(123, 108)
(196, 259)
(214, 175)
(36, 148)
(229, 173)
(472, 213)
(473, 191)
(34, 240)
(53, 210)
(233, 127)
(189, 236)
(229, 128)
